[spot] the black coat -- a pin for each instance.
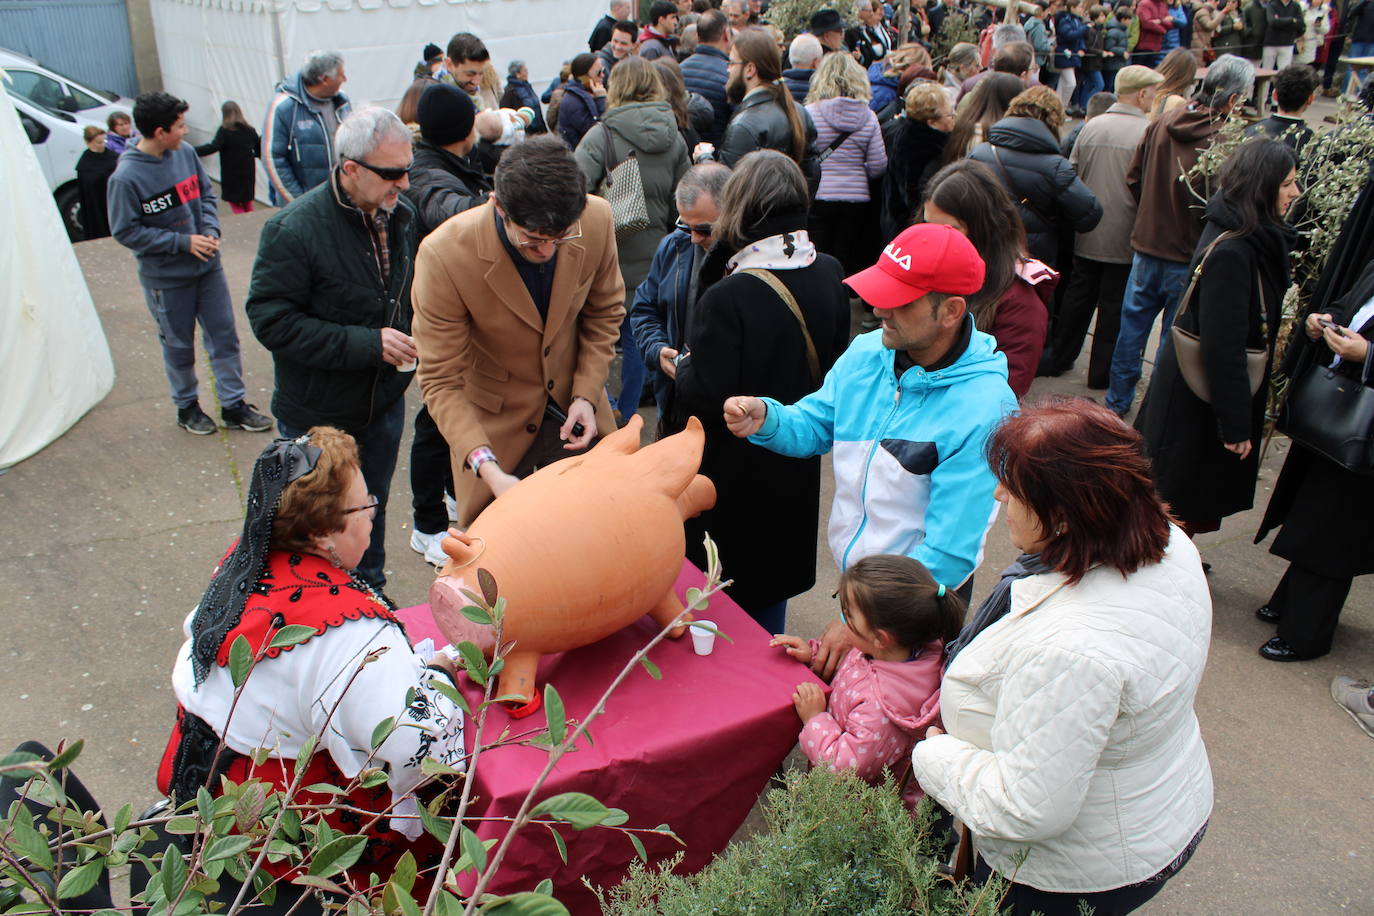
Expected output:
(93, 171)
(1184, 436)
(1327, 512)
(237, 149)
(742, 339)
(1051, 198)
(442, 184)
(914, 154)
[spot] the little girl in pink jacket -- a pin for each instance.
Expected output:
(886, 690)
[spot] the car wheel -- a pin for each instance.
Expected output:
(69, 205)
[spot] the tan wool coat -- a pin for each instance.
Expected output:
(488, 364)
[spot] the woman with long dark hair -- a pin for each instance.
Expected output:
(986, 105)
(583, 100)
(238, 146)
(1206, 454)
(745, 335)
(1013, 305)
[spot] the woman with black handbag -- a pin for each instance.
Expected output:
(1203, 415)
(1325, 509)
(772, 320)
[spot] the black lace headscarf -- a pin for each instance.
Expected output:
(222, 604)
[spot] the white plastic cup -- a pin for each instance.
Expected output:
(409, 366)
(703, 639)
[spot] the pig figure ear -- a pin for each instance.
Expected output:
(462, 548)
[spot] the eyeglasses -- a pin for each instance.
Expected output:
(532, 241)
(371, 507)
(386, 174)
(703, 229)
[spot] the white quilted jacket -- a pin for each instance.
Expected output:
(1070, 726)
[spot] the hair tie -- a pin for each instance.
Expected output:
(940, 592)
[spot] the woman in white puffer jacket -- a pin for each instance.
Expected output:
(1068, 700)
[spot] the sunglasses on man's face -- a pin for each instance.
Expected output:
(703, 229)
(386, 174)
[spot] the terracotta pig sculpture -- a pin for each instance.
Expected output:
(579, 549)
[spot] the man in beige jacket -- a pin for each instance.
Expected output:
(518, 305)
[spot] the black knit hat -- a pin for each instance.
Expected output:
(432, 53)
(446, 114)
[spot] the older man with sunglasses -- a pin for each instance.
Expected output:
(330, 297)
(518, 305)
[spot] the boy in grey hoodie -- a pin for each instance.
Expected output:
(163, 208)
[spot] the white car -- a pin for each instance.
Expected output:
(54, 110)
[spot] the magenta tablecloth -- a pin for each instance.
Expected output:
(692, 750)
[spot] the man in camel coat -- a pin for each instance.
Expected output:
(518, 305)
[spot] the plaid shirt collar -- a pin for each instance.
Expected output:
(378, 227)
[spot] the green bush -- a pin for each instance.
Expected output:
(833, 845)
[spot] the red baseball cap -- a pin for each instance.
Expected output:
(925, 258)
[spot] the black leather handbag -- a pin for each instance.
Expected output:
(1333, 414)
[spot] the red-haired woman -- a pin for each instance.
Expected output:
(1068, 700)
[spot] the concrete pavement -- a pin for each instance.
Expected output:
(108, 536)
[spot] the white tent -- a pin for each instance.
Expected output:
(214, 51)
(54, 360)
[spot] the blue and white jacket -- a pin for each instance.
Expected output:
(910, 475)
(298, 151)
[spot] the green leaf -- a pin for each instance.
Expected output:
(28, 841)
(64, 759)
(172, 873)
(438, 827)
(382, 731)
(372, 776)
(291, 634)
(248, 807)
(20, 759)
(240, 660)
(465, 861)
(712, 629)
(448, 905)
(404, 874)
(650, 667)
(443, 686)
(558, 842)
(473, 662)
(544, 887)
(337, 856)
(476, 614)
(408, 905)
(554, 712)
(473, 849)
(693, 597)
(524, 904)
(305, 753)
(639, 847)
(578, 809)
(323, 788)
(122, 818)
(226, 847)
(431, 767)
(80, 879)
(487, 582)
(323, 884)
(614, 817)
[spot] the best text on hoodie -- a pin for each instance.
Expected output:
(156, 204)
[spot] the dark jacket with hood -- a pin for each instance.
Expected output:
(798, 82)
(649, 131)
(915, 153)
(1327, 512)
(1050, 196)
(1184, 436)
(299, 147)
(155, 204)
(318, 301)
(705, 72)
(658, 314)
(742, 337)
(1169, 221)
(578, 110)
(1069, 31)
(442, 184)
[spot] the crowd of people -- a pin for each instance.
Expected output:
(722, 205)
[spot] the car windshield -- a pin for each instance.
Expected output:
(78, 97)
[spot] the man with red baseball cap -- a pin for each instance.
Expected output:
(906, 411)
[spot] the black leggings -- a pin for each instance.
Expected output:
(1023, 900)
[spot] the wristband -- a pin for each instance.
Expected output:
(480, 456)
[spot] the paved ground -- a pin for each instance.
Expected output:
(108, 535)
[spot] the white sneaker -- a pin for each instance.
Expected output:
(452, 506)
(429, 546)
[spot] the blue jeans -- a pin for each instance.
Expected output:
(378, 444)
(1153, 287)
(1089, 84)
(1361, 49)
(632, 372)
(176, 311)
